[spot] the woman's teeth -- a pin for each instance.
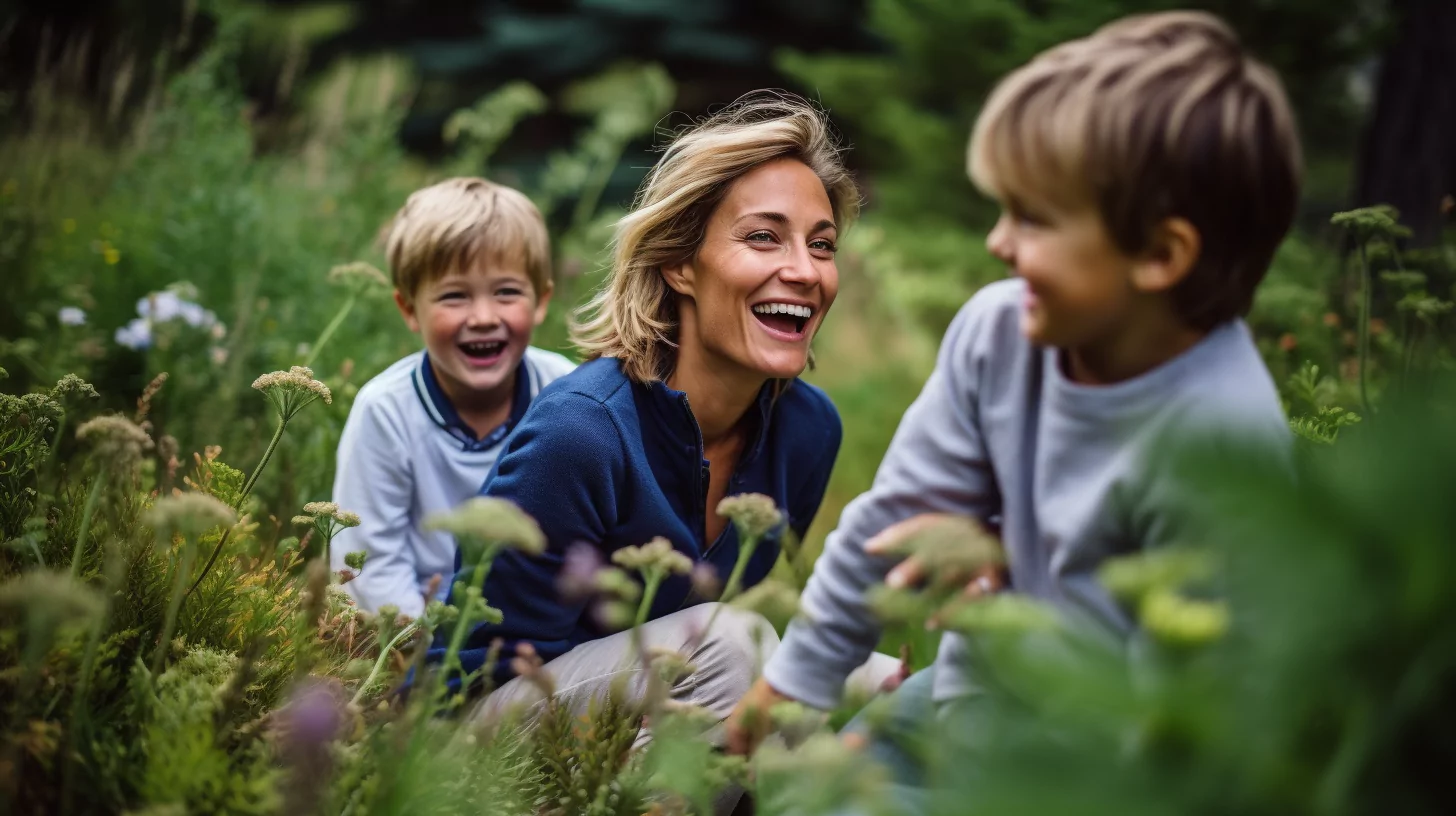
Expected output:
(784, 308)
(784, 317)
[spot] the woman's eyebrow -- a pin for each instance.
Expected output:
(781, 219)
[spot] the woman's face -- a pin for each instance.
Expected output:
(763, 279)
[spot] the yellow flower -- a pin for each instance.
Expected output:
(68, 226)
(111, 253)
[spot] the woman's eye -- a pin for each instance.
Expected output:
(760, 236)
(824, 245)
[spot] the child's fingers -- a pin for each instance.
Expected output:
(987, 581)
(908, 573)
(888, 540)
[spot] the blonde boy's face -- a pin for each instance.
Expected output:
(476, 325)
(1080, 287)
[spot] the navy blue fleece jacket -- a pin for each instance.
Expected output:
(602, 460)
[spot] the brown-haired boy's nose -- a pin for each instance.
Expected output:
(1000, 242)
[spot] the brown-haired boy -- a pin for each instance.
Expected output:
(1146, 175)
(471, 262)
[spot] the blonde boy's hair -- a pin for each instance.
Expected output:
(453, 225)
(1151, 117)
(633, 317)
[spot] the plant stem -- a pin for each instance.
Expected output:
(91, 500)
(237, 505)
(651, 581)
(735, 579)
(1364, 348)
(478, 574)
(174, 604)
(384, 653)
(262, 463)
(329, 330)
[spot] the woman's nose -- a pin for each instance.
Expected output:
(800, 268)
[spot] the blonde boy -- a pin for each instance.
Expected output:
(1146, 175)
(471, 263)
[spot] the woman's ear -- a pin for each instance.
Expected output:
(1173, 250)
(679, 278)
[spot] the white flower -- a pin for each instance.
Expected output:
(135, 335)
(72, 316)
(160, 306)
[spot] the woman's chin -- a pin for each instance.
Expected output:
(783, 367)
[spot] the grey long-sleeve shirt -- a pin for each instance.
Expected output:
(999, 431)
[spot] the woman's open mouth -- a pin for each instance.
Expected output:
(784, 320)
(483, 353)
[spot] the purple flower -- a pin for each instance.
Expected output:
(72, 316)
(578, 578)
(314, 714)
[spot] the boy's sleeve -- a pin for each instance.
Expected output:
(561, 466)
(936, 463)
(375, 479)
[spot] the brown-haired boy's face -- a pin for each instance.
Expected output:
(476, 325)
(1079, 285)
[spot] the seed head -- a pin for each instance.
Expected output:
(71, 387)
(754, 514)
(116, 440)
(774, 600)
(657, 554)
(291, 390)
(355, 560)
(487, 521)
(1181, 621)
(359, 276)
(190, 514)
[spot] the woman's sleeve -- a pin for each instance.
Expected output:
(563, 466)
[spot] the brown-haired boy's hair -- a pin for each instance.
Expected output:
(1151, 117)
(457, 223)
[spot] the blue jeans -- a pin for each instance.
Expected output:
(918, 741)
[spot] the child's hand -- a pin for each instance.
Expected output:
(750, 721)
(912, 572)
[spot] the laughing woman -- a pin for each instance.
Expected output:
(723, 272)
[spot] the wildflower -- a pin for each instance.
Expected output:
(774, 600)
(578, 578)
(1131, 578)
(484, 524)
(355, 560)
(1001, 614)
(117, 440)
(754, 514)
(1332, 320)
(190, 514)
(1180, 621)
(110, 253)
(657, 554)
(669, 664)
(290, 391)
(135, 335)
(218, 355)
(618, 584)
(71, 387)
(71, 316)
(313, 716)
(1381, 220)
(359, 277)
(705, 581)
(1288, 342)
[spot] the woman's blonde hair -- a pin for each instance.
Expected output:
(633, 317)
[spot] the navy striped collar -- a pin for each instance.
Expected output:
(443, 412)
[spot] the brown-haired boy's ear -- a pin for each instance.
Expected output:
(679, 278)
(407, 311)
(1172, 251)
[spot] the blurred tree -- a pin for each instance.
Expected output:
(910, 109)
(1409, 154)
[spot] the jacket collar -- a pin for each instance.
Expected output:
(675, 416)
(443, 412)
